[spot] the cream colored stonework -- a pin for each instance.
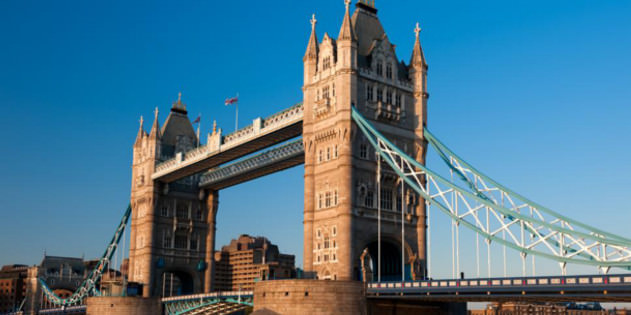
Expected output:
(339, 162)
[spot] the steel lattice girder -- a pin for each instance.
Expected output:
(89, 284)
(548, 239)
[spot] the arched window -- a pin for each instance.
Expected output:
(379, 68)
(389, 71)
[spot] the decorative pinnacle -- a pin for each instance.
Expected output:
(313, 21)
(156, 111)
(417, 30)
(179, 94)
(141, 121)
(347, 3)
(214, 126)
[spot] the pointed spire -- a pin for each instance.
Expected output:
(141, 131)
(155, 129)
(346, 32)
(418, 58)
(312, 47)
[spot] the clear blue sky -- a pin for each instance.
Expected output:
(535, 93)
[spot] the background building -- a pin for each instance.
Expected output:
(248, 259)
(12, 287)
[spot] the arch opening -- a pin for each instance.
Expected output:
(174, 283)
(390, 262)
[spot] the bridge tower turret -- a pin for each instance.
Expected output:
(168, 252)
(143, 199)
(360, 69)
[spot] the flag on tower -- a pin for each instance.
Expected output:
(231, 100)
(199, 117)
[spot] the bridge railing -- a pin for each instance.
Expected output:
(583, 280)
(211, 295)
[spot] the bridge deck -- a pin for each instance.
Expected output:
(261, 134)
(557, 288)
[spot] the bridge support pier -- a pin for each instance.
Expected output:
(212, 205)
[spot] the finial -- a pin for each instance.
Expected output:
(141, 121)
(156, 112)
(347, 3)
(417, 30)
(179, 97)
(214, 126)
(313, 20)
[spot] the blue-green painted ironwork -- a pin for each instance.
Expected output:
(555, 238)
(88, 286)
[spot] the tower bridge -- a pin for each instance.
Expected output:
(361, 134)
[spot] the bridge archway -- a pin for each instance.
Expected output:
(390, 260)
(176, 282)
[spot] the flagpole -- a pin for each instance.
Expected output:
(236, 119)
(198, 124)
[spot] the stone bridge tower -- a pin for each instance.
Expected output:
(169, 225)
(360, 68)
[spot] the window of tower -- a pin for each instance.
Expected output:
(363, 151)
(182, 211)
(369, 92)
(335, 198)
(320, 155)
(379, 94)
(326, 63)
(335, 151)
(389, 71)
(327, 199)
(379, 68)
(368, 200)
(333, 89)
(181, 241)
(166, 240)
(334, 232)
(386, 199)
(325, 92)
(320, 200)
(328, 154)
(389, 97)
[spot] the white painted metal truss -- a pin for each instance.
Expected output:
(498, 214)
